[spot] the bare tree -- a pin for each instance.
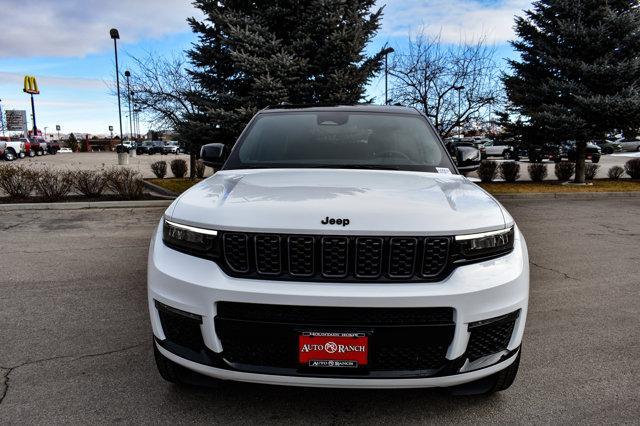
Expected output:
(449, 83)
(162, 88)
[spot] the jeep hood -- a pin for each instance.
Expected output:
(376, 202)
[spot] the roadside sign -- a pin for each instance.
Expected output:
(111, 128)
(30, 85)
(57, 127)
(16, 120)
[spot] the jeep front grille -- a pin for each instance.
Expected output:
(335, 258)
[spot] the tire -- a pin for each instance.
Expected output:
(169, 370)
(9, 155)
(497, 382)
(38, 153)
(607, 150)
(638, 149)
(32, 153)
(22, 155)
(595, 158)
(506, 155)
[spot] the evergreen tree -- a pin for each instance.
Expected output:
(253, 54)
(72, 142)
(579, 69)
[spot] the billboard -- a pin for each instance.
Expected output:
(16, 120)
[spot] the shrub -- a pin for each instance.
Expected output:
(537, 171)
(125, 182)
(488, 170)
(52, 185)
(632, 167)
(17, 182)
(178, 168)
(89, 183)
(564, 170)
(590, 171)
(615, 172)
(199, 169)
(159, 168)
(510, 171)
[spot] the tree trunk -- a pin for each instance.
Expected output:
(192, 165)
(581, 147)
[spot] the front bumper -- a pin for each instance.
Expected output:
(475, 293)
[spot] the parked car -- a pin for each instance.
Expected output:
(338, 247)
(53, 147)
(28, 149)
(608, 147)
(537, 153)
(629, 144)
(156, 147)
(14, 149)
(37, 145)
(498, 149)
(125, 146)
(592, 152)
(171, 147)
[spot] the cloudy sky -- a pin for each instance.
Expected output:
(66, 45)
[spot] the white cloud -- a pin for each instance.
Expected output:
(453, 20)
(75, 28)
(50, 81)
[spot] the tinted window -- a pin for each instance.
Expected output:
(339, 139)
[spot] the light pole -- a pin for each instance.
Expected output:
(459, 89)
(45, 132)
(115, 35)
(128, 74)
(1, 118)
(58, 130)
(386, 73)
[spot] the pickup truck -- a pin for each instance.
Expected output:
(498, 149)
(14, 149)
(125, 146)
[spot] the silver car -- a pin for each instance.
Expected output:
(629, 144)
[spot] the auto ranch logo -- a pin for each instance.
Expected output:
(332, 348)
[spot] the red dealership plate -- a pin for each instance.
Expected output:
(333, 350)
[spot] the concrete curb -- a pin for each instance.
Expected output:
(158, 189)
(85, 205)
(566, 195)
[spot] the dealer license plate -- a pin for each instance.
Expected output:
(333, 350)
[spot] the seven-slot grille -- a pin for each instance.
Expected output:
(335, 258)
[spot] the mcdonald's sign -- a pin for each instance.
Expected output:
(30, 85)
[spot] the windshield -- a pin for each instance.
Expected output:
(339, 139)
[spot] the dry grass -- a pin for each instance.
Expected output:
(599, 185)
(174, 184)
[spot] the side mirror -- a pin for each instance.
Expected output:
(468, 158)
(212, 155)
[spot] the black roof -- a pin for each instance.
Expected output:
(355, 108)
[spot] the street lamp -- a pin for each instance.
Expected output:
(128, 74)
(386, 72)
(1, 118)
(459, 89)
(45, 132)
(115, 35)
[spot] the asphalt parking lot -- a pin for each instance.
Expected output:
(75, 342)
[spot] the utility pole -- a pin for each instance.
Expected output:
(1, 118)
(128, 75)
(386, 73)
(459, 89)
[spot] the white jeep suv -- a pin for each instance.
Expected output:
(338, 247)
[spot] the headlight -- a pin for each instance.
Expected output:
(189, 239)
(485, 244)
